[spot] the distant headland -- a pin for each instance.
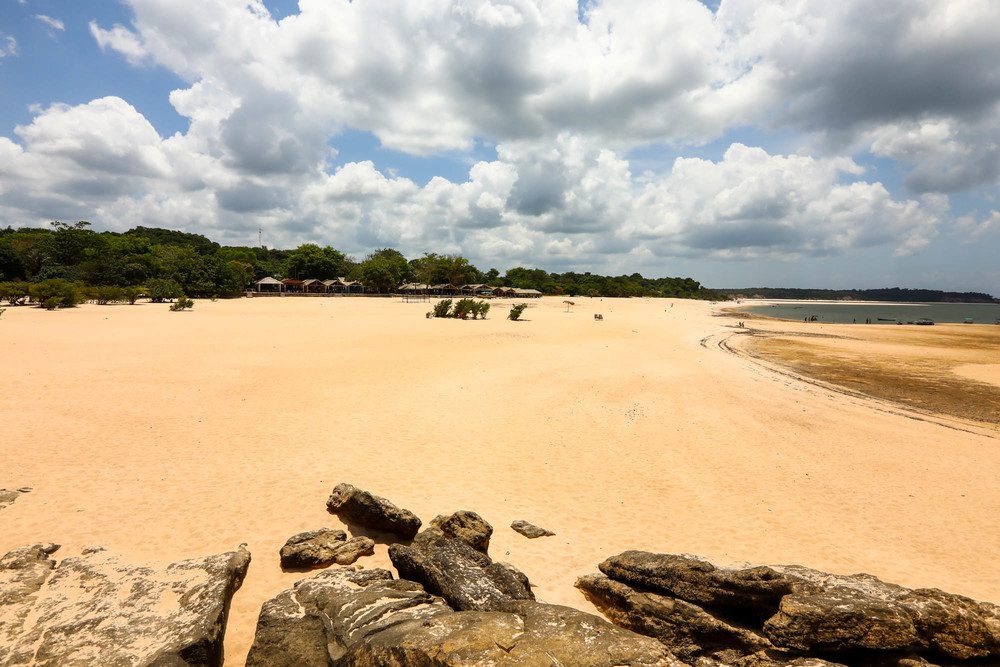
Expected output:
(896, 294)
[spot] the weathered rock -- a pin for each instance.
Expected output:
(365, 618)
(466, 526)
(95, 610)
(947, 624)
(355, 506)
(318, 620)
(467, 579)
(687, 629)
(324, 547)
(953, 625)
(816, 614)
(530, 530)
(753, 592)
(314, 547)
(840, 619)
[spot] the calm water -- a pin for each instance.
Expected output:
(981, 313)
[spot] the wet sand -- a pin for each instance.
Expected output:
(163, 436)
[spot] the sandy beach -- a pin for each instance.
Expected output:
(162, 436)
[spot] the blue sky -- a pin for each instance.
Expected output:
(722, 140)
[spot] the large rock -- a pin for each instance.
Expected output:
(322, 617)
(687, 629)
(942, 623)
(466, 526)
(840, 620)
(816, 615)
(467, 579)
(753, 592)
(95, 610)
(324, 547)
(361, 508)
(365, 618)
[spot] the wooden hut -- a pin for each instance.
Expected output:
(293, 286)
(313, 286)
(268, 285)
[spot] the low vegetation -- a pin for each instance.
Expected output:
(182, 303)
(57, 293)
(515, 311)
(462, 310)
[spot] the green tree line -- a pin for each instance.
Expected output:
(168, 263)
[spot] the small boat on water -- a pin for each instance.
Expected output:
(923, 321)
(967, 320)
(889, 319)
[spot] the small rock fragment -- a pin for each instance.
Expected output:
(530, 530)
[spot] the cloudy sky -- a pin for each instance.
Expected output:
(746, 142)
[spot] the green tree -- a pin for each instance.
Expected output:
(311, 261)
(383, 270)
(160, 289)
(62, 293)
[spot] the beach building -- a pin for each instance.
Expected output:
(293, 286)
(268, 285)
(527, 293)
(476, 289)
(313, 286)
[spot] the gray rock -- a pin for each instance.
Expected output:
(816, 615)
(322, 617)
(944, 623)
(687, 629)
(95, 610)
(840, 619)
(358, 507)
(529, 530)
(466, 526)
(753, 593)
(466, 578)
(323, 547)
(365, 618)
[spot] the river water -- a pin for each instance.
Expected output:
(847, 312)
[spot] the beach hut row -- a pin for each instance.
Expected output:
(475, 289)
(270, 285)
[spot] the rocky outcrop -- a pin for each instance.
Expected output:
(780, 615)
(360, 618)
(95, 610)
(361, 508)
(751, 592)
(530, 530)
(466, 526)
(322, 547)
(686, 628)
(925, 619)
(467, 579)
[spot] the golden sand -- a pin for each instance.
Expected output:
(163, 436)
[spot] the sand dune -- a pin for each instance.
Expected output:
(167, 435)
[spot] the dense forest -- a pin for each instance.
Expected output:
(898, 294)
(71, 262)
